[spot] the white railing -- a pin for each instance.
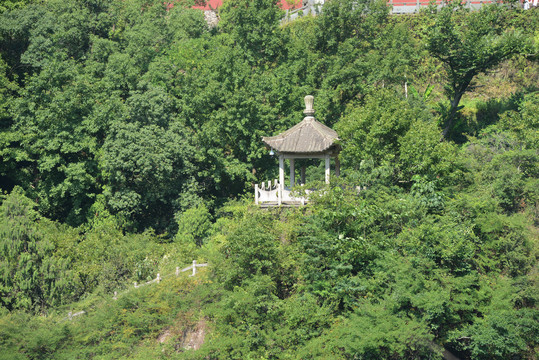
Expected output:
(274, 194)
(158, 279)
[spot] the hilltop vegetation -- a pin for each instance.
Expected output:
(130, 140)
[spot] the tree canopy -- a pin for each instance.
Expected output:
(468, 44)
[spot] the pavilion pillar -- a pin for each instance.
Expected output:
(327, 168)
(303, 175)
(281, 180)
(337, 166)
(281, 170)
(292, 174)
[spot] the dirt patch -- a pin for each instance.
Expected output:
(192, 337)
(187, 333)
(164, 336)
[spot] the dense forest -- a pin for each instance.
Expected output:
(130, 142)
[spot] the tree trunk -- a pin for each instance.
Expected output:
(452, 112)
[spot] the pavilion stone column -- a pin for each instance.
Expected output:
(281, 170)
(281, 180)
(303, 175)
(292, 174)
(327, 168)
(337, 166)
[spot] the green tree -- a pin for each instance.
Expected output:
(7, 91)
(9, 5)
(31, 277)
(254, 26)
(251, 250)
(54, 139)
(81, 74)
(468, 44)
(346, 19)
(146, 168)
(374, 332)
(194, 225)
(390, 133)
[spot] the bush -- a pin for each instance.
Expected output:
(31, 277)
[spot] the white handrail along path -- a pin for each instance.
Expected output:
(157, 279)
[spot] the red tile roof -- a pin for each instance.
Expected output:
(214, 4)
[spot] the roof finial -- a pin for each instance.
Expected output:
(309, 100)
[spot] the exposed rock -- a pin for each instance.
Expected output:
(163, 337)
(192, 337)
(211, 17)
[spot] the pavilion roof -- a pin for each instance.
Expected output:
(309, 136)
